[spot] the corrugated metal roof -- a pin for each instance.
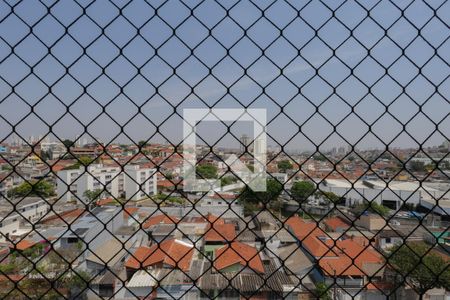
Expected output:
(141, 278)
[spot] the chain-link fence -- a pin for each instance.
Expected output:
(314, 163)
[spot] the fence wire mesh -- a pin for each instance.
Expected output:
(92, 189)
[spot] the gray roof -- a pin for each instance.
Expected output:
(272, 280)
(109, 253)
(295, 260)
(282, 235)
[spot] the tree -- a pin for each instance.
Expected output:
(82, 161)
(227, 180)
(207, 171)
(379, 209)
(46, 155)
(40, 188)
(284, 166)
(329, 196)
(273, 190)
(322, 291)
(142, 143)
(422, 269)
(302, 190)
(67, 143)
(320, 157)
(92, 196)
(417, 166)
(372, 207)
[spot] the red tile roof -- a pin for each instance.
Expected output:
(238, 253)
(68, 216)
(336, 258)
(129, 211)
(24, 244)
(220, 233)
(335, 223)
(105, 201)
(159, 219)
(171, 252)
(308, 233)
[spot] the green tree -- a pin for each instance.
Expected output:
(142, 143)
(92, 196)
(39, 188)
(46, 155)
(302, 190)
(320, 157)
(68, 143)
(417, 166)
(329, 196)
(284, 166)
(273, 190)
(322, 291)
(422, 269)
(379, 209)
(207, 171)
(82, 161)
(372, 207)
(227, 180)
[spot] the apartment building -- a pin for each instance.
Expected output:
(134, 182)
(15, 222)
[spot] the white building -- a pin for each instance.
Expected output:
(392, 194)
(133, 183)
(27, 212)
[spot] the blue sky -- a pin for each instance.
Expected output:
(227, 61)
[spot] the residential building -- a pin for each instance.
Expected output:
(18, 222)
(132, 183)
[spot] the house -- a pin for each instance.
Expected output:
(276, 238)
(232, 279)
(107, 256)
(371, 221)
(295, 260)
(336, 224)
(344, 262)
(391, 236)
(217, 235)
(238, 257)
(172, 254)
(159, 219)
(93, 227)
(63, 217)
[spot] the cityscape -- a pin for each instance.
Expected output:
(224, 149)
(116, 219)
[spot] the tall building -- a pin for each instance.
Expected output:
(133, 183)
(244, 142)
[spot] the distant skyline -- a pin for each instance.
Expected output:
(200, 61)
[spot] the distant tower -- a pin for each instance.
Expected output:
(259, 147)
(245, 142)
